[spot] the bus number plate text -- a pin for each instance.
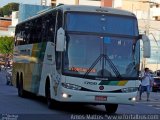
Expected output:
(101, 98)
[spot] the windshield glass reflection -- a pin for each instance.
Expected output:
(83, 52)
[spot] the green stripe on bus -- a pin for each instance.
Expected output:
(38, 52)
(117, 83)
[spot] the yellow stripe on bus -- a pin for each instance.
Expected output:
(122, 83)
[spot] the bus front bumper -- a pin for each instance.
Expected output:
(68, 95)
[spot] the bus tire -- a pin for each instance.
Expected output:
(111, 108)
(17, 80)
(21, 92)
(48, 94)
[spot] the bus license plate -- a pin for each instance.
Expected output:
(101, 98)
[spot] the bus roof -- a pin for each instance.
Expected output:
(83, 8)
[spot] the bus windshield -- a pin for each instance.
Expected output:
(89, 51)
(101, 45)
(101, 23)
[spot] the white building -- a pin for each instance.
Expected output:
(49, 2)
(4, 23)
(11, 28)
(79, 2)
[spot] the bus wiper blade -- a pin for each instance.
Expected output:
(113, 67)
(92, 66)
(115, 70)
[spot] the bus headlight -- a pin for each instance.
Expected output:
(133, 99)
(71, 86)
(64, 95)
(130, 89)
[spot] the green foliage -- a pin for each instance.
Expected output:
(6, 45)
(7, 9)
(1, 12)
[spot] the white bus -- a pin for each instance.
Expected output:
(80, 54)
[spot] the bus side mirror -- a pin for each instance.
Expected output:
(61, 40)
(146, 46)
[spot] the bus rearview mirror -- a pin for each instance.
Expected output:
(146, 46)
(61, 40)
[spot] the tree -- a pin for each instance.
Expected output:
(7, 9)
(1, 12)
(6, 47)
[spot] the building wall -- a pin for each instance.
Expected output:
(4, 23)
(145, 20)
(79, 2)
(87, 2)
(68, 2)
(154, 36)
(15, 18)
(112, 3)
(107, 3)
(144, 9)
(155, 9)
(155, 12)
(48, 2)
(53, 2)
(140, 9)
(26, 11)
(5, 33)
(11, 28)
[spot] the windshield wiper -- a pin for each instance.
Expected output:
(113, 67)
(115, 70)
(92, 66)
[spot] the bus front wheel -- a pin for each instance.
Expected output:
(20, 89)
(49, 100)
(48, 95)
(111, 108)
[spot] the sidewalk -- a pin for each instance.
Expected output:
(2, 77)
(154, 97)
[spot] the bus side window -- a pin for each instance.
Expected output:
(16, 36)
(33, 32)
(16, 41)
(19, 40)
(34, 35)
(59, 19)
(48, 27)
(51, 27)
(38, 31)
(43, 31)
(59, 22)
(58, 60)
(19, 36)
(27, 33)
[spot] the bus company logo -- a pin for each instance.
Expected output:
(90, 83)
(101, 87)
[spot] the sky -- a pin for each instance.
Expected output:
(5, 2)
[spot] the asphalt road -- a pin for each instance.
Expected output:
(12, 106)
